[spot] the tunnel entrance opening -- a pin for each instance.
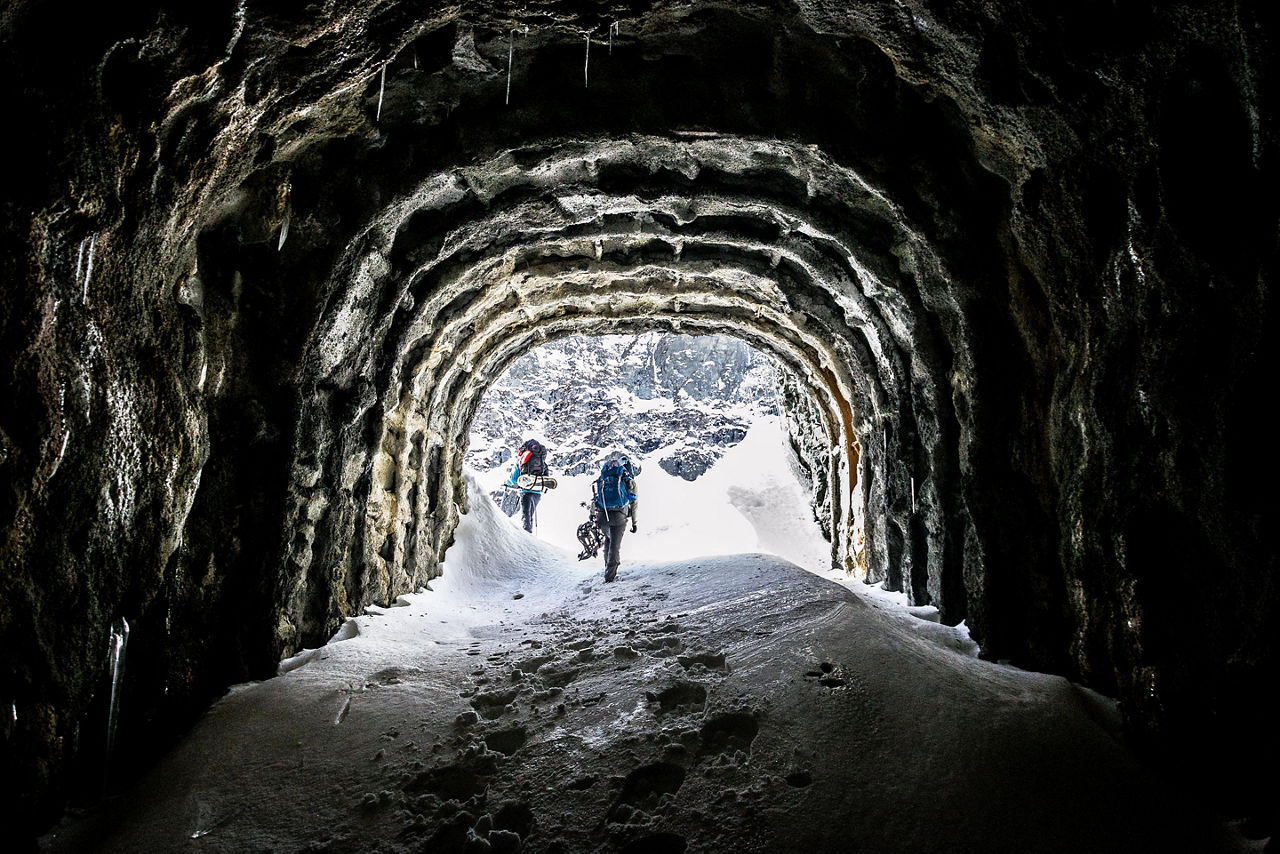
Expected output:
(472, 269)
(723, 465)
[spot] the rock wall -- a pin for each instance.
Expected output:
(261, 261)
(808, 439)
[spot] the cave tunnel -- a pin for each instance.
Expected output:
(263, 258)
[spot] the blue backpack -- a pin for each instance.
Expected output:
(611, 487)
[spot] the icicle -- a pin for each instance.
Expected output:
(511, 53)
(80, 260)
(286, 210)
(88, 272)
(116, 651)
(382, 86)
(65, 437)
(586, 62)
(613, 28)
(913, 494)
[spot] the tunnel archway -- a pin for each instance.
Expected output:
(714, 427)
(475, 266)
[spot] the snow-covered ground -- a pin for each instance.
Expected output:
(750, 500)
(716, 698)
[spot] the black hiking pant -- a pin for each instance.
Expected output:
(613, 523)
(529, 506)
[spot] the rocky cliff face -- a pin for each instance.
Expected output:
(686, 398)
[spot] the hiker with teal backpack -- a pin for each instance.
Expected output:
(531, 476)
(614, 502)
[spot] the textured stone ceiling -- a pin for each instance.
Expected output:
(263, 258)
(623, 235)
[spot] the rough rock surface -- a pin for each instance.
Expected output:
(261, 260)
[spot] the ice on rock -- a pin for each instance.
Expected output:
(382, 85)
(116, 649)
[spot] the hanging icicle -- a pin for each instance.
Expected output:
(615, 27)
(66, 437)
(119, 641)
(382, 86)
(284, 205)
(286, 211)
(88, 271)
(511, 53)
(913, 494)
(586, 62)
(80, 261)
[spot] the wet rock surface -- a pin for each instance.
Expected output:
(778, 735)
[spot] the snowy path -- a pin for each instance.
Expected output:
(729, 703)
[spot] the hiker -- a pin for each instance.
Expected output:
(531, 476)
(614, 500)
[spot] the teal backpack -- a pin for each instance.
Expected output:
(612, 488)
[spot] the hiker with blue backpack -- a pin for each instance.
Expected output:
(613, 501)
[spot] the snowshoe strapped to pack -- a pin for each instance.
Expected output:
(590, 535)
(536, 482)
(592, 538)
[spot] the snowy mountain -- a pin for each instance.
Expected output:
(676, 400)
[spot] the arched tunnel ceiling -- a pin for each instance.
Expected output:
(1018, 258)
(767, 240)
(409, 224)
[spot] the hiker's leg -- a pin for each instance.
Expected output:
(613, 549)
(607, 530)
(529, 502)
